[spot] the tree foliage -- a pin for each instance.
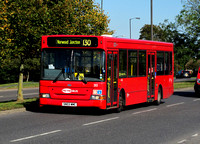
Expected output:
(189, 17)
(145, 32)
(5, 31)
(30, 19)
(24, 22)
(183, 51)
(184, 33)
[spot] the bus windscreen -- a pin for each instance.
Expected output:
(73, 65)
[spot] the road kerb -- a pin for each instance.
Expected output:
(12, 111)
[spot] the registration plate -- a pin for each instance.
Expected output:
(69, 104)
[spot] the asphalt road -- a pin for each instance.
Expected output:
(11, 95)
(175, 121)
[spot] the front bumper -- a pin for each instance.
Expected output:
(101, 104)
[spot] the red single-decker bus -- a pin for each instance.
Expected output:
(104, 72)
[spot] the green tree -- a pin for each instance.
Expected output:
(145, 33)
(26, 21)
(189, 17)
(182, 43)
(189, 22)
(5, 32)
(32, 69)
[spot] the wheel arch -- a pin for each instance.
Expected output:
(122, 91)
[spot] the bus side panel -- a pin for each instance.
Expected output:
(135, 89)
(167, 85)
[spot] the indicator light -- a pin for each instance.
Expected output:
(98, 97)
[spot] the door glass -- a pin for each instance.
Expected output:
(109, 68)
(112, 72)
(148, 80)
(151, 75)
(115, 77)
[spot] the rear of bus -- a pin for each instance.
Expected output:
(72, 72)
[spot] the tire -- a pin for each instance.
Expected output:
(159, 97)
(121, 103)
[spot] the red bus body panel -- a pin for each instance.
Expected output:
(135, 88)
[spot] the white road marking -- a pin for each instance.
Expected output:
(196, 99)
(34, 136)
(100, 121)
(195, 135)
(1, 96)
(144, 111)
(182, 141)
(175, 104)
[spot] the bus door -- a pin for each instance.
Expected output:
(112, 78)
(151, 77)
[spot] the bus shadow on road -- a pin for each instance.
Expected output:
(142, 105)
(34, 107)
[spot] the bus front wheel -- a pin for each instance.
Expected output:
(121, 103)
(159, 97)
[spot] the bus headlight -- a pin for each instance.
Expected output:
(43, 95)
(98, 97)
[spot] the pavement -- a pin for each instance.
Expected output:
(12, 111)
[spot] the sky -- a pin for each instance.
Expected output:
(120, 11)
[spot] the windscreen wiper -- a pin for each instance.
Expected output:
(62, 72)
(84, 81)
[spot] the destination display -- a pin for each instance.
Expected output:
(72, 41)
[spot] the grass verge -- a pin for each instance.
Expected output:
(186, 84)
(14, 104)
(15, 85)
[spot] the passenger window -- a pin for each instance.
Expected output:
(122, 63)
(142, 63)
(170, 63)
(166, 66)
(132, 63)
(160, 63)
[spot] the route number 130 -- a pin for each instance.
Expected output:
(87, 42)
